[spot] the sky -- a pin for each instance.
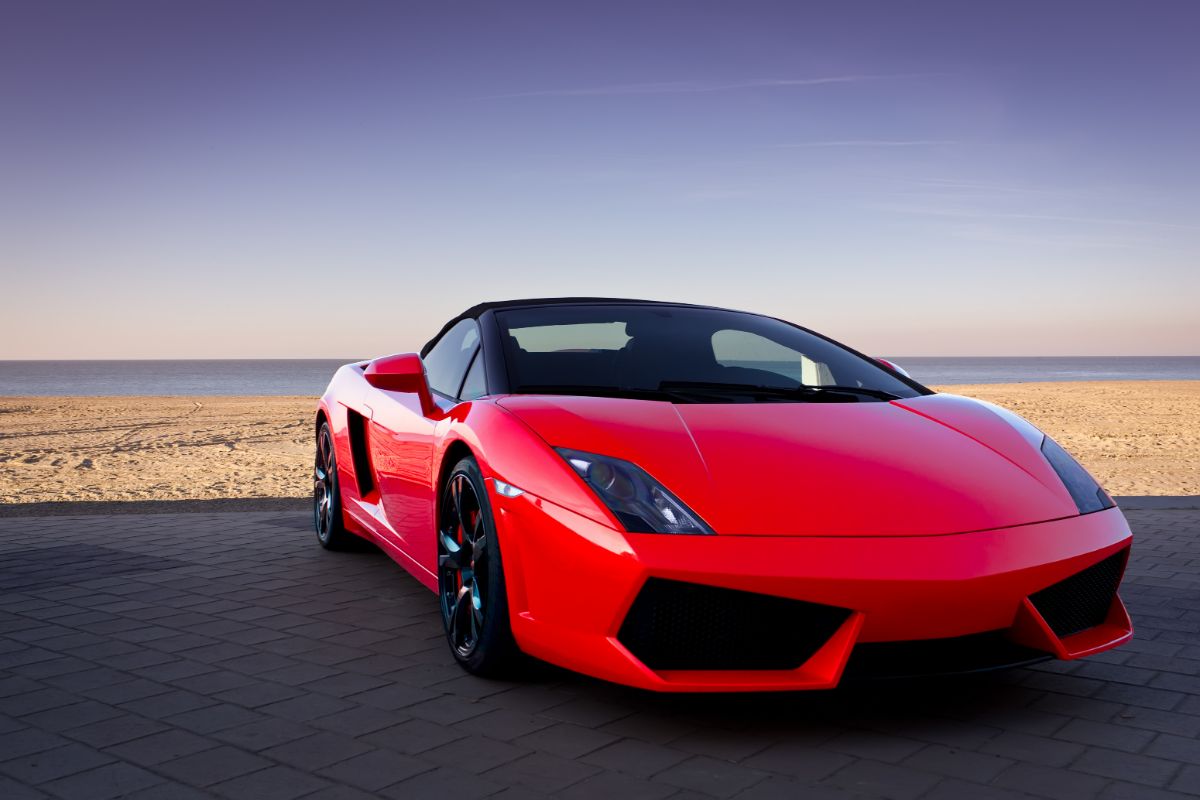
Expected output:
(298, 179)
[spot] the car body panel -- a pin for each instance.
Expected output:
(400, 442)
(900, 588)
(869, 469)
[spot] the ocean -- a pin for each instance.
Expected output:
(935, 370)
(301, 376)
(309, 376)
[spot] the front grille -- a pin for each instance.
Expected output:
(1082, 600)
(976, 652)
(689, 626)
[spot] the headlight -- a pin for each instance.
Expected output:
(642, 504)
(1084, 490)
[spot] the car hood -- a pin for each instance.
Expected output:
(930, 465)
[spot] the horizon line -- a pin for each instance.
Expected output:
(353, 360)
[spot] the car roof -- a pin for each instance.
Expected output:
(478, 310)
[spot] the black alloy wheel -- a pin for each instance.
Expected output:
(327, 498)
(470, 575)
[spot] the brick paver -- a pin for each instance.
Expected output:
(226, 655)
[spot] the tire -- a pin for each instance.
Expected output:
(472, 596)
(327, 496)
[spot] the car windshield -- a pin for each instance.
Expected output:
(683, 354)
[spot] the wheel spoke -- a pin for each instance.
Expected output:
(476, 608)
(456, 494)
(451, 561)
(471, 502)
(323, 456)
(455, 556)
(463, 621)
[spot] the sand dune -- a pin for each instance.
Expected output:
(1140, 438)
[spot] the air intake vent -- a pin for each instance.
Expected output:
(356, 427)
(975, 652)
(688, 626)
(1082, 600)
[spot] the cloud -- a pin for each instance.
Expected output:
(695, 87)
(1000, 235)
(958, 186)
(963, 213)
(873, 143)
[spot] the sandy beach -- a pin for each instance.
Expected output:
(55, 449)
(1138, 438)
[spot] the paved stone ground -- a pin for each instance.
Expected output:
(194, 655)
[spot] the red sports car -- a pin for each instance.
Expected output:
(687, 498)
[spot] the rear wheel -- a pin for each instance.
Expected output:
(471, 587)
(327, 496)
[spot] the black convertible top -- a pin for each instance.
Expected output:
(497, 375)
(476, 311)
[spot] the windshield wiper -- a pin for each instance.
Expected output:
(862, 390)
(773, 391)
(585, 390)
(690, 391)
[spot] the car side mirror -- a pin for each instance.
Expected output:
(892, 365)
(401, 373)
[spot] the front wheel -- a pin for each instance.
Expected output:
(327, 496)
(471, 587)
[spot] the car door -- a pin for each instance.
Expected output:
(402, 443)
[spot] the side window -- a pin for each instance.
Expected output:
(447, 362)
(733, 348)
(475, 384)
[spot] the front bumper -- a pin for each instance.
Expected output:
(573, 582)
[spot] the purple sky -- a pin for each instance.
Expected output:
(253, 179)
